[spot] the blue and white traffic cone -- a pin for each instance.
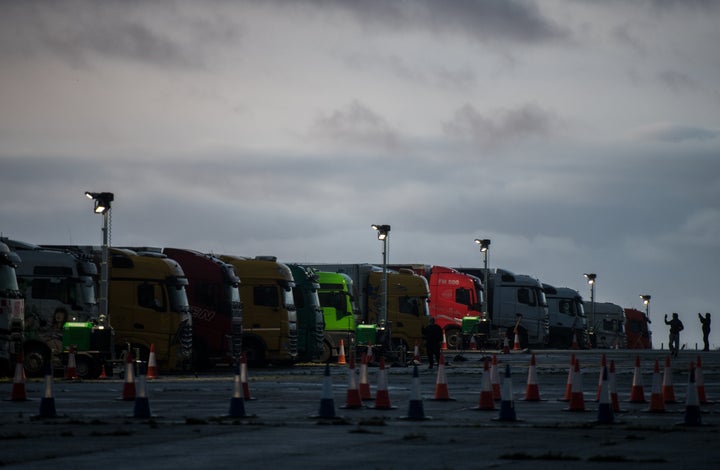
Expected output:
(142, 404)
(47, 402)
(237, 403)
(327, 402)
(692, 407)
(415, 408)
(507, 404)
(605, 408)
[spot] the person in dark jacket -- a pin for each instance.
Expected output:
(433, 340)
(705, 330)
(676, 327)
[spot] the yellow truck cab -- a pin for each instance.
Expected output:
(269, 313)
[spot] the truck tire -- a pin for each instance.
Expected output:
(454, 339)
(327, 352)
(35, 360)
(86, 367)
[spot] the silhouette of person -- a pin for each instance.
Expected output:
(705, 330)
(433, 339)
(676, 327)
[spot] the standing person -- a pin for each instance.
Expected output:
(676, 327)
(705, 329)
(433, 339)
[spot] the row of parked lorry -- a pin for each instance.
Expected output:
(198, 310)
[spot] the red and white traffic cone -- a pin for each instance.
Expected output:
(443, 345)
(532, 392)
(575, 344)
(516, 344)
(495, 379)
(637, 392)
(18, 388)
(577, 399)
(152, 368)
(473, 343)
(506, 345)
(603, 364)
(487, 401)
(692, 406)
(700, 382)
(352, 397)
(612, 385)
(102, 375)
(382, 396)
(657, 404)
(128, 392)
(71, 369)
(416, 353)
(568, 383)
(341, 354)
(364, 386)
(441, 388)
(668, 390)
(244, 377)
(605, 408)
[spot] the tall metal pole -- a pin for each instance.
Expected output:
(383, 319)
(104, 316)
(485, 284)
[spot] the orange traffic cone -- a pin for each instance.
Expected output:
(577, 400)
(71, 369)
(700, 382)
(369, 354)
(657, 404)
(532, 392)
(416, 410)
(102, 375)
(667, 386)
(152, 369)
(495, 379)
(341, 353)
(605, 409)
(603, 364)
(568, 384)
(516, 344)
(506, 345)
(237, 404)
(244, 377)
(441, 388)
(364, 386)
(416, 353)
(612, 385)
(473, 343)
(142, 404)
(574, 344)
(443, 345)
(128, 392)
(327, 401)
(692, 406)
(487, 402)
(382, 396)
(352, 397)
(18, 389)
(637, 393)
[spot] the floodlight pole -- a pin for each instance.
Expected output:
(102, 206)
(383, 234)
(484, 248)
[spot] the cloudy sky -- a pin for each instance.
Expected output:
(579, 136)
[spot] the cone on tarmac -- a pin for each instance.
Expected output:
(352, 397)
(668, 390)
(142, 404)
(71, 369)
(327, 402)
(237, 403)
(486, 402)
(506, 346)
(637, 392)
(577, 400)
(443, 345)
(568, 384)
(244, 377)
(692, 406)
(473, 343)
(657, 403)
(532, 392)
(507, 404)
(341, 353)
(700, 382)
(516, 343)
(18, 389)
(416, 410)
(152, 368)
(612, 385)
(128, 392)
(441, 388)
(574, 344)
(382, 396)
(605, 408)
(47, 402)
(102, 375)
(416, 353)
(495, 379)
(364, 386)
(603, 364)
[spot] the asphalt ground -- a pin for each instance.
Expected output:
(189, 424)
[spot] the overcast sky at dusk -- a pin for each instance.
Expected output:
(579, 136)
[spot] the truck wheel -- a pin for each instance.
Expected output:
(86, 367)
(454, 339)
(35, 361)
(327, 352)
(254, 353)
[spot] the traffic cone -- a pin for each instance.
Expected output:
(443, 345)
(364, 386)
(369, 354)
(612, 385)
(692, 406)
(487, 402)
(102, 375)
(700, 382)
(441, 388)
(327, 402)
(382, 397)
(128, 392)
(605, 408)
(637, 393)
(18, 389)
(495, 379)
(416, 411)
(47, 402)
(603, 364)
(568, 384)
(667, 386)
(352, 397)
(532, 392)
(142, 404)
(71, 369)
(341, 353)
(657, 404)
(506, 346)
(244, 377)
(416, 353)
(152, 369)
(473, 343)
(577, 400)
(507, 404)
(516, 344)
(237, 404)
(575, 344)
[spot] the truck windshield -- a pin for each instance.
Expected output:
(177, 295)
(416, 306)
(336, 300)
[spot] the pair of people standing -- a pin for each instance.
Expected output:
(676, 326)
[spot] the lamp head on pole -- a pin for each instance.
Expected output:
(382, 230)
(590, 278)
(645, 299)
(102, 201)
(484, 244)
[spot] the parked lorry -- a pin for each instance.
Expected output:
(407, 306)
(606, 325)
(637, 330)
(516, 302)
(453, 296)
(566, 315)
(12, 311)
(339, 313)
(61, 311)
(310, 322)
(270, 332)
